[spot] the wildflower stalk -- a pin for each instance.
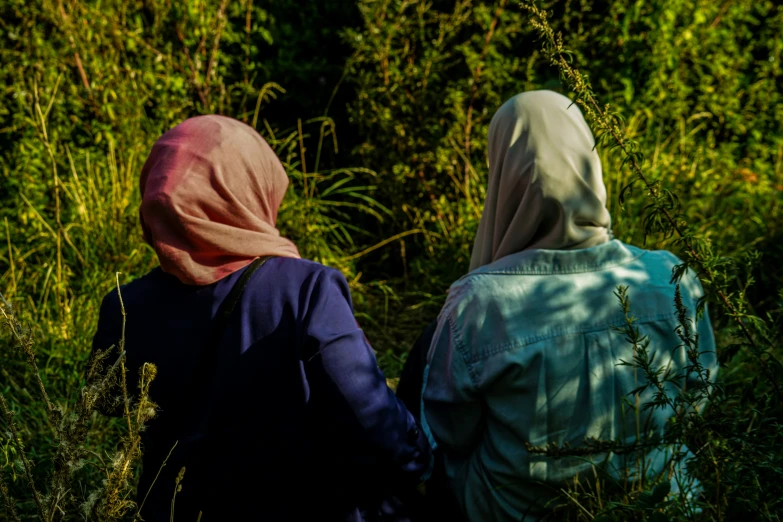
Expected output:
(8, 501)
(124, 382)
(177, 489)
(72, 432)
(110, 502)
(28, 467)
(25, 344)
(662, 202)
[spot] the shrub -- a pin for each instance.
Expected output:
(694, 88)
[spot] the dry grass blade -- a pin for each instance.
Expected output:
(25, 344)
(152, 485)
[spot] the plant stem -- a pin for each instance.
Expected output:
(28, 467)
(221, 19)
(8, 500)
(10, 256)
(122, 350)
(25, 343)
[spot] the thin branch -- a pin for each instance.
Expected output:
(382, 243)
(193, 72)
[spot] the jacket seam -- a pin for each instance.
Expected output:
(494, 349)
(572, 269)
(462, 350)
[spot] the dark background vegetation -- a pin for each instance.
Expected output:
(379, 110)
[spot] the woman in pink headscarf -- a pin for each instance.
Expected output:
(269, 394)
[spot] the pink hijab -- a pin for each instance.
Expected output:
(210, 189)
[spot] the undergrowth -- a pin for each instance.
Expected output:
(691, 145)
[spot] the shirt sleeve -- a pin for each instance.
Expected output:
(452, 408)
(349, 390)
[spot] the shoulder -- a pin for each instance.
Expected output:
(317, 294)
(302, 272)
(668, 267)
(301, 267)
(656, 258)
(471, 296)
(145, 286)
(297, 281)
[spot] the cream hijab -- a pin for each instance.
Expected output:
(545, 187)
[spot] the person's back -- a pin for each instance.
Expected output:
(527, 350)
(283, 413)
(537, 336)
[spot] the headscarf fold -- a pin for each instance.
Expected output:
(211, 188)
(545, 187)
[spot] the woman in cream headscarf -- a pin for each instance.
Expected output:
(525, 350)
(545, 186)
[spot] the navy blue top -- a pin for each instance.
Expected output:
(303, 426)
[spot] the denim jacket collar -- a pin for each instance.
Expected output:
(545, 262)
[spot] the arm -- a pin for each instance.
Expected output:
(453, 412)
(350, 391)
(412, 375)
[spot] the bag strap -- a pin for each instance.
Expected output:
(204, 376)
(209, 357)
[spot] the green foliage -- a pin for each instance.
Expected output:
(91, 86)
(693, 131)
(429, 78)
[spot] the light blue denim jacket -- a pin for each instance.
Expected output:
(526, 352)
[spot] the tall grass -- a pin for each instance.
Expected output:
(89, 86)
(56, 499)
(95, 229)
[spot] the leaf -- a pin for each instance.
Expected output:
(645, 500)
(658, 517)
(660, 492)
